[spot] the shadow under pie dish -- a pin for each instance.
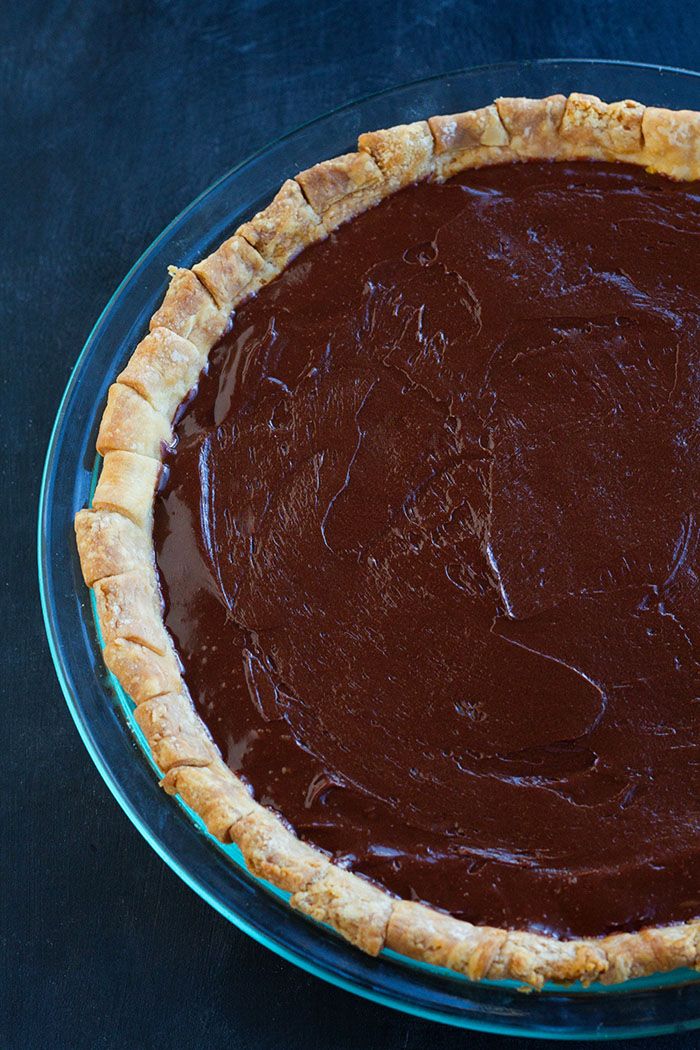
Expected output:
(425, 540)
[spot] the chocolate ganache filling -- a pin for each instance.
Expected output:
(428, 545)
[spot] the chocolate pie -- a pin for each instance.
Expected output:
(395, 543)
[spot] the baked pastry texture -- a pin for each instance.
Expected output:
(115, 542)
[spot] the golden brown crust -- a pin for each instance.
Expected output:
(341, 188)
(430, 936)
(484, 952)
(672, 142)
(127, 483)
(404, 153)
(212, 791)
(131, 424)
(129, 607)
(116, 548)
(651, 951)
(175, 734)
(469, 140)
(163, 369)
(535, 959)
(532, 125)
(189, 311)
(351, 905)
(109, 543)
(472, 130)
(233, 272)
(273, 853)
(142, 672)
(284, 228)
(600, 130)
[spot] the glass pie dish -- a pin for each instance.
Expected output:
(103, 712)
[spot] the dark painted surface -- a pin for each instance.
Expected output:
(112, 117)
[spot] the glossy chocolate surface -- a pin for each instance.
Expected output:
(428, 544)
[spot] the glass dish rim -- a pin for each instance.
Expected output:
(105, 771)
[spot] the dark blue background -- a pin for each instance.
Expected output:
(113, 116)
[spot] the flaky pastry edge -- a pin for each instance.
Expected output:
(115, 542)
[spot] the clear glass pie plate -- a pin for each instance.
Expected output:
(102, 712)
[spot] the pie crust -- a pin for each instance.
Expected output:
(115, 542)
